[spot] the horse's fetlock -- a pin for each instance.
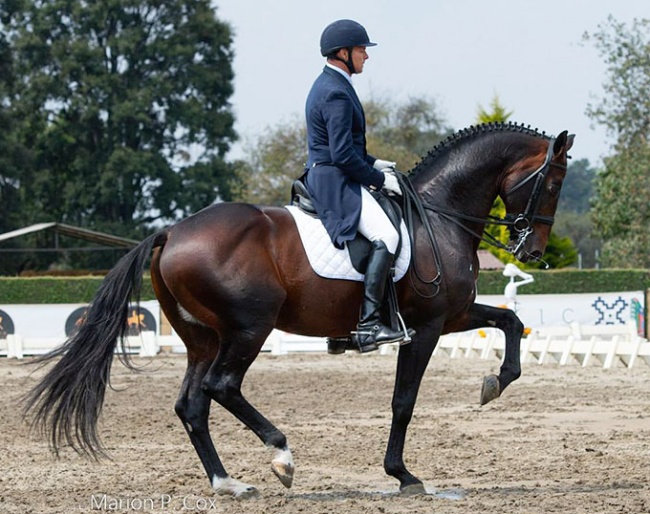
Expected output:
(277, 440)
(394, 466)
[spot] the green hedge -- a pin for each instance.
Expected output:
(56, 289)
(82, 289)
(570, 281)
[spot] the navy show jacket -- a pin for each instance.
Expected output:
(338, 162)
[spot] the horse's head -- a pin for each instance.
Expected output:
(530, 190)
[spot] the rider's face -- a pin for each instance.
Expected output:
(359, 57)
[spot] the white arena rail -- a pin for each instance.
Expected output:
(585, 345)
(14, 346)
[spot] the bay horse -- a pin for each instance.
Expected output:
(229, 274)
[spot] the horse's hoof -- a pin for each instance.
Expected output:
(413, 489)
(490, 390)
(284, 472)
(249, 493)
(230, 487)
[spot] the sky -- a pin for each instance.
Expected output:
(458, 53)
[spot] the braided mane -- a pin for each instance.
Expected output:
(471, 132)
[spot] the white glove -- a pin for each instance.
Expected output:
(382, 165)
(391, 184)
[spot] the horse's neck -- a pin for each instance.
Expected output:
(467, 182)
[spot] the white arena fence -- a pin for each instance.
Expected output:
(604, 345)
(585, 329)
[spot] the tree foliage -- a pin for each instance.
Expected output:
(12, 153)
(272, 162)
(404, 132)
(496, 114)
(114, 98)
(624, 107)
(578, 187)
(620, 208)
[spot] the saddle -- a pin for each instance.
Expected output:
(359, 250)
(359, 247)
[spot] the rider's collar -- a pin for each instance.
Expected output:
(339, 70)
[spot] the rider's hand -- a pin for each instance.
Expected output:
(391, 185)
(382, 165)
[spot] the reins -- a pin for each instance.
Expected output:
(412, 201)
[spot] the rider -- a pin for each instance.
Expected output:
(340, 171)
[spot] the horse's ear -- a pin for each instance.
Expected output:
(564, 141)
(569, 141)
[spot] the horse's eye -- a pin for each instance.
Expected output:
(554, 188)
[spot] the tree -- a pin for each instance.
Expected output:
(14, 154)
(578, 187)
(272, 163)
(116, 97)
(579, 228)
(624, 108)
(404, 132)
(496, 114)
(620, 208)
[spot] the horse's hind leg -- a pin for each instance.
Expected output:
(193, 408)
(223, 383)
(507, 321)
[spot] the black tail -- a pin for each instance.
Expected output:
(68, 401)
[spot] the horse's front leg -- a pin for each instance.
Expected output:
(512, 327)
(411, 364)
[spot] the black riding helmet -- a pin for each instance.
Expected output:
(343, 34)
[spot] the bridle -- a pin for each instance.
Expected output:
(522, 224)
(519, 225)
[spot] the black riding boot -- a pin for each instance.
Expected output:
(371, 332)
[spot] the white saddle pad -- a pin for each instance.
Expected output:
(330, 262)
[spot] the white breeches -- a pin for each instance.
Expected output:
(374, 224)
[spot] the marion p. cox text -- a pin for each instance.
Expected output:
(105, 502)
